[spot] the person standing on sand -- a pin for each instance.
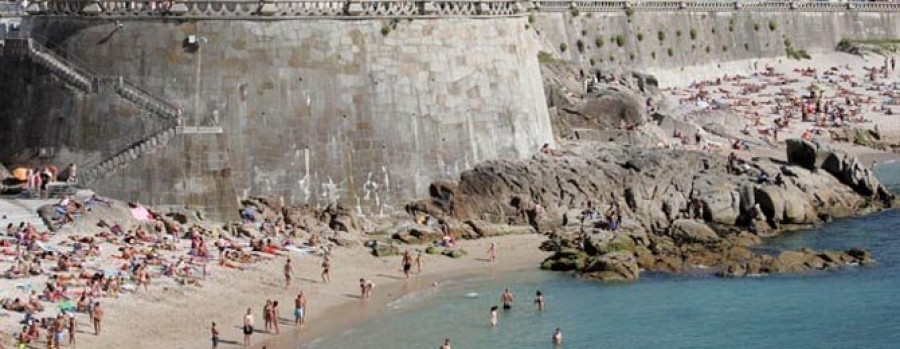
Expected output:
(407, 264)
(214, 333)
(267, 316)
(97, 315)
(326, 270)
(72, 326)
(248, 327)
(420, 262)
(557, 337)
(288, 273)
(507, 299)
(492, 252)
(446, 344)
(299, 307)
(539, 300)
(275, 316)
(494, 316)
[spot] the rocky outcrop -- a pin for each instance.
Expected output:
(804, 260)
(680, 209)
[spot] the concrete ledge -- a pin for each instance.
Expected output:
(92, 9)
(355, 9)
(268, 9)
(178, 9)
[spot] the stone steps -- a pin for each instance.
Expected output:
(126, 157)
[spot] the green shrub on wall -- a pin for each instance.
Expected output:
(670, 52)
(640, 36)
(631, 56)
(756, 26)
(580, 45)
(563, 47)
(693, 34)
(574, 11)
(598, 42)
(593, 63)
(678, 33)
(620, 40)
(773, 25)
(653, 54)
(629, 12)
(661, 35)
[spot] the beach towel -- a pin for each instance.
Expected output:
(66, 306)
(140, 213)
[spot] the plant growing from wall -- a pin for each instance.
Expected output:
(631, 56)
(724, 48)
(773, 25)
(620, 40)
(678, 33)
(385, 30)
(629, 12)
(707, 49)
(612, 58)
(640, 36)
(593, 63)
(756, 26)
(693, 34)
(574, 11)
(545, 57)
(598, 42)
(583, 32)
(653, 54)
(563, 47)
(661, 35)
(670, 52)
(531, 18)
(713, 30)
(746, 46)
(580, 45)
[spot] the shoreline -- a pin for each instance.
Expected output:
(352, 313)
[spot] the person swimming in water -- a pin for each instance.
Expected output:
(557, 337)
(539, 300)
(494, 316)
(507, 299)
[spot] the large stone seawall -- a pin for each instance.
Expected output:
(313, 111)
(697, 38)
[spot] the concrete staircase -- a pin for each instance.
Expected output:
(128, 155)
(60, 67)
(16, 211)
(85, 80)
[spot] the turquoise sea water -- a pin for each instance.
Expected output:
(848, 308)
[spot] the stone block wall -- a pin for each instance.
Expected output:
(365, 112)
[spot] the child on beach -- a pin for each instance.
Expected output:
(492, 252)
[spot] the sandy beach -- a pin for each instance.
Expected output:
(172, 316)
